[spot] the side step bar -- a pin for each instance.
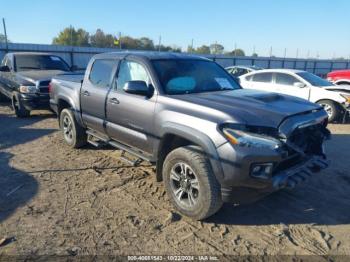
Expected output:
(101, 140)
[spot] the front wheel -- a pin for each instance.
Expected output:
(73, 133)
(190, 183)
(333, 110)
(18, 107)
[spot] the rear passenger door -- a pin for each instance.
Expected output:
(262, 81)
(130, 117)
(94, 93)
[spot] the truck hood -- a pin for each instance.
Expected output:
(38, 75)
(339, 88)
(253, 107)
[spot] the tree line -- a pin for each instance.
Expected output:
(80, 37)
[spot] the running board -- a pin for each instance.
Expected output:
(103, 140)
(134, 163)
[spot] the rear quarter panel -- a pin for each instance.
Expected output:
(68, 91)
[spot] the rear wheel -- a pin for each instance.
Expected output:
(73, 133)
(18, 107)
(190, 183)
(333, 109)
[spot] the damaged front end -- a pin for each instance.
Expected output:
(303, 150)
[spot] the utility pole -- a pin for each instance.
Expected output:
(160, 40)
(297, 54)
(253, 49)
(270, 51)
(285, 53)
(5, 33)
(308, 54)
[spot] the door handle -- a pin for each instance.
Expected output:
(86, 93)
(114, 101)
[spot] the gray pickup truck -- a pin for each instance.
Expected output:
(211, 140)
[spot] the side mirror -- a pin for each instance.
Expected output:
(137, 88)
(73, 68)
(299, 84)
(4, 69)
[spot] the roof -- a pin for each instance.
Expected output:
(151, 55)
(277, 70)
(245, 67)
(29, 53)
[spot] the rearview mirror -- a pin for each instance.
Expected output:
(137, 88)
(299, 84)
(4, 69)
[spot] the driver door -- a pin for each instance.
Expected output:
(130, 116)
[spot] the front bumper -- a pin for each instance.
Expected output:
(35, 101)
(238, 186)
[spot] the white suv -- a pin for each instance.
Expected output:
(334, 99)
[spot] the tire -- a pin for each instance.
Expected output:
(18, 107)
(73, 133)
(201, 192)
(332, 108)
(3, 98)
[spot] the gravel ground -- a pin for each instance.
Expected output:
(58, 201)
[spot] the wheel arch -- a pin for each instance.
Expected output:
(66, 102)
(342, 82)
(177, 135)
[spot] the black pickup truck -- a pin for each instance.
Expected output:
(25, 77)
(211, 140)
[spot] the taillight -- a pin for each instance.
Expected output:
(50, 87)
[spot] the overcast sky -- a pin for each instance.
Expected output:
(315, 27)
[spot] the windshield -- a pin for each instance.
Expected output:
(314, 79)
(39, 62)
(192, 76)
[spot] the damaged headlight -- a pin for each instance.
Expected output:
(247, 139)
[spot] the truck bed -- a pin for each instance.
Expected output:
(72, 77)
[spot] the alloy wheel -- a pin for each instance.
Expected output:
(67, 129)
(328, 109)
(184, 184)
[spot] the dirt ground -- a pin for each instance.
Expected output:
(57, 200)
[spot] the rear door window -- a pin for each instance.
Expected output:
(101, 72)
(263, 77)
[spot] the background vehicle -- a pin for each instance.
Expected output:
(211, 140)
(334, 99)
(237, 71)
(24, 78)
(339, 77)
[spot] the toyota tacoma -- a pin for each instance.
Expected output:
(210, 140)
